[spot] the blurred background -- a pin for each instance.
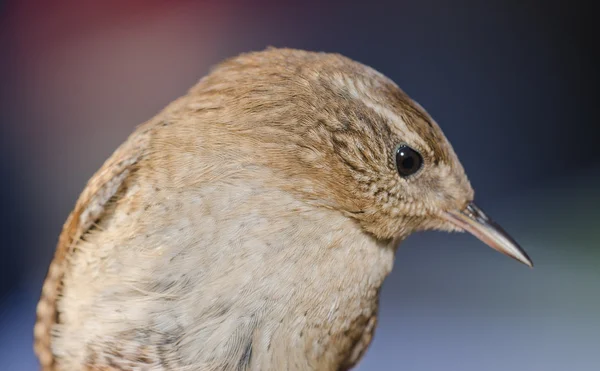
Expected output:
(512, 83)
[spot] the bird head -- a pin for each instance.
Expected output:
(341, 135)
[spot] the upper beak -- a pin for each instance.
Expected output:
(473, 220)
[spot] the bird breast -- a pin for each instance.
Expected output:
(221, 276)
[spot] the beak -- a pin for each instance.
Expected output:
(473, 220)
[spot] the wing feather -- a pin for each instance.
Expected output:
(89, 208)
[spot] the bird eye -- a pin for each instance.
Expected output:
(408, 161)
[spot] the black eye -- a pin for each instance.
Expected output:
(408, 161)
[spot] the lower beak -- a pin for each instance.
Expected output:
(473, 220)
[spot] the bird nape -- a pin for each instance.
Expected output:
(251, 223)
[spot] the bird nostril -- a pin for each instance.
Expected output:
(466, 205)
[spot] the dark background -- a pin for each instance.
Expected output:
(512, 83)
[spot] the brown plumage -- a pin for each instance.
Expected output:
(251, 223)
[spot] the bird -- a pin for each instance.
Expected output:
(251, 223)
